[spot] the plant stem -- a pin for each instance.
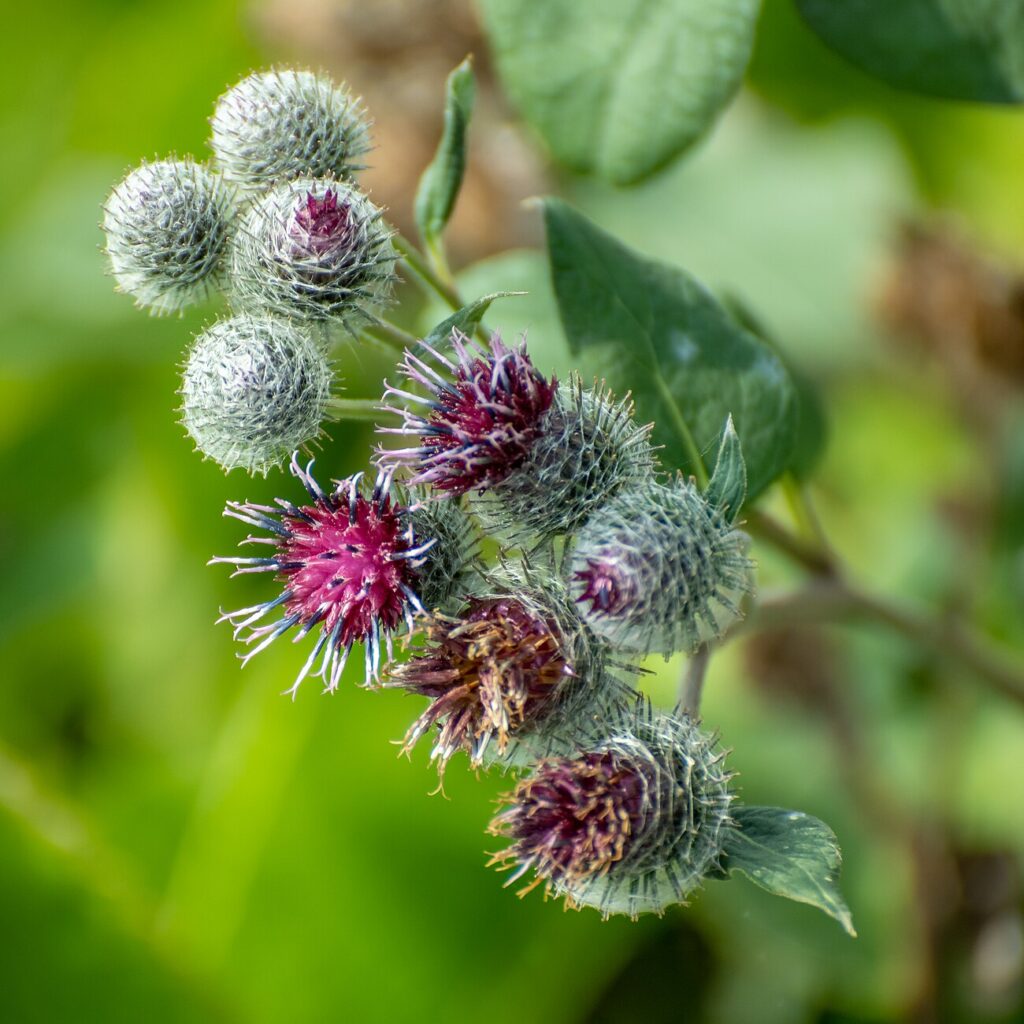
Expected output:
(818, 560)
(392, 336)
(425, 274)
(361, 410)
(691, 686)
(421, 269)
(833, 600)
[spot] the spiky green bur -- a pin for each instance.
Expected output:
(254, 390)
(588, 448)
(167, 227)
(281, 125)
(631, 824)
(514, 676)
(453, 568)
(314, 249)
(659, 569)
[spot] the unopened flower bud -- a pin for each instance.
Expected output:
(454, 566)
(167, 227)
(281, 125)
(313, 249)
(659, 569)
(254, 390)
(630, 825)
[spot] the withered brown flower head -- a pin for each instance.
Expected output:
(487, 674)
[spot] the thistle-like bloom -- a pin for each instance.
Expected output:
(659, 569)
(167, 228)
(349, 565)
(313, 249)
(515, 676)
(491, 422)
(281, 125)
(484, 412)
(629, 825)
(253, 390)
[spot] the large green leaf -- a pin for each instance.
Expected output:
(959, 49)
(790, 854)
(619, 88)
(441, 181)
(652, 329)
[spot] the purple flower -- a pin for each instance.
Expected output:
(348, 564)
(480, 419)
(321, 225)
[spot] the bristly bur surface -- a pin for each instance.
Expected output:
(167, 227)
(281, 125)
(660, 570)
(314, 249)
(254, 389)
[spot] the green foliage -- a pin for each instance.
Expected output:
(439, 186)
(619, 88)
(465, 320)
(790, 854)
(652, 329)
(957, 49)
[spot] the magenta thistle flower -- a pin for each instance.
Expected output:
(480, 419)
(488, 674)
(349, 564)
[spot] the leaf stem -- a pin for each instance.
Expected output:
(392, 335)
(691, 686)
(360, 410)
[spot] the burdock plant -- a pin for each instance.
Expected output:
(531, 538)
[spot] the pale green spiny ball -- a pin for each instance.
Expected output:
(315, 250)
(659, 569)
(280, 125)
(254, 390)
(167, 227)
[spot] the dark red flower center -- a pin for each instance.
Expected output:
(574, 818)
(321, 225)
(338, 562)
(607, 585)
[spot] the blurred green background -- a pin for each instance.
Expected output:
(180, 843)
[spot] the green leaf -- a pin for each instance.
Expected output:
(790, 854)
(466, 319)
(652, 329)
(728, 486)
(619, 88)
(957, 49)
(440, 183)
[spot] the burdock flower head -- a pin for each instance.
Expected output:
(280, 125)
(491, 422)
(349, 565)
(483, 412)
(254, 389)
(631, 824)
(313, 249)
(660, 569)
(167, 226)
(516, 675)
